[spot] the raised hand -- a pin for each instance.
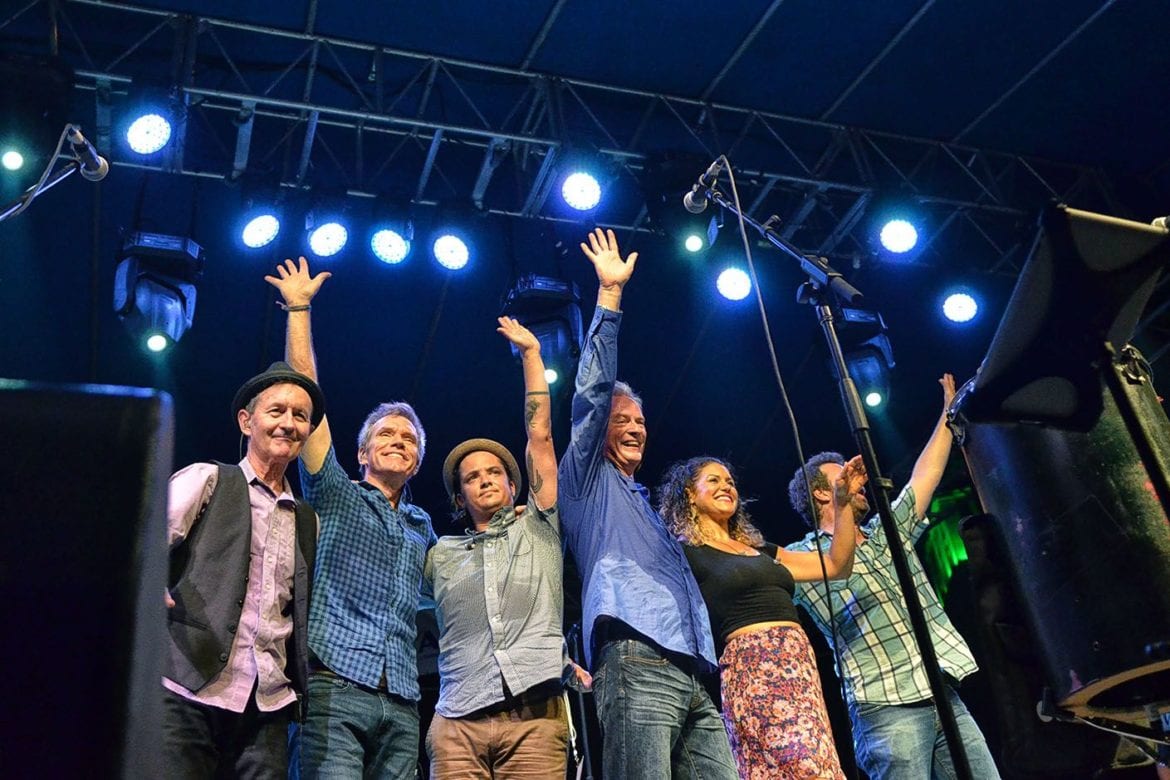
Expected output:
(850, 480)
(519, 335)
(602, 250)
(295, 283)
(948, 385)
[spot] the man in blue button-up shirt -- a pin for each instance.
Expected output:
(646, 629)
(363, 688)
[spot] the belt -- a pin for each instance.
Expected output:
(539, 701)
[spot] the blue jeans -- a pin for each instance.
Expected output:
(906, 742)
(352, 731)
(657, 720)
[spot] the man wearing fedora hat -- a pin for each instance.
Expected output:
(241, 559)
(362, 693)
(498, 594)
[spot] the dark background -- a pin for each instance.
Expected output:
(1070, 82)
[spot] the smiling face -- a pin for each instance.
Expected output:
(277, 424)
(714, 494)
(625, 440)
(391, 455)
(484, 487)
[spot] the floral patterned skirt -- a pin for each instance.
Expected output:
(773, 707)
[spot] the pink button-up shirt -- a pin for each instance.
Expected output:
(258, 652)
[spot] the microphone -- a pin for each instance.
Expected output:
(693, 201)
(92, 165)
(1160, 222)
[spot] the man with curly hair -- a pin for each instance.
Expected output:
(895, 729)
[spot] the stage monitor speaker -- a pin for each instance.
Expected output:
(1069, 449)
(83, 533)
(1085, 284)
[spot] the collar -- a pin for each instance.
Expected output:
(251, 478)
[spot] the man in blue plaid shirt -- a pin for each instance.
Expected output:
(362, 694)
(895, 728)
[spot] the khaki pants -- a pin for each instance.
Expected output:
(527, 740)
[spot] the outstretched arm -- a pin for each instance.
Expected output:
(929, 468)
(612, 272)
(298, 287)
(806, 566)
(540, 457)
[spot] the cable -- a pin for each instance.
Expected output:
(30, 194)
(791, 418)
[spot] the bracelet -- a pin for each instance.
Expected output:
(301, 307)
(537, 392)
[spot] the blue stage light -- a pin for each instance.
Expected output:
(694, 243)
(873, 399)
(328, 239)
(551, 376)
(960, 307)
(12, 160)
(260, 230)
(734, 284)
(148, 133)
(899, 236)
(389, 246)
(581, 191)
(451, 251)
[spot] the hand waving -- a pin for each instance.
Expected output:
(948, 385)
(850, 480)
(602, 250)
(296, 285)
(519, 335)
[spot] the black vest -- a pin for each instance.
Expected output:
(208, 579)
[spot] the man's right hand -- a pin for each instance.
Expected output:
(296, 285)
(170, 602)
(602, 250)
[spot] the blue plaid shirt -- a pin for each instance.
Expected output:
(632, 568)
(366, 584)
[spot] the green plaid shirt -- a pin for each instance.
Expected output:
(881, 659)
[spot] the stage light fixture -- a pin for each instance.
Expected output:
(734, 284)
(960, 307)
(451, 251)
(328, 239)
(694, 243)
(581, 191)
(899, 236)
(551, 309)
(12, 160)
(666, 178)
(389, 246)
(260, 230)
(868, 354)
(148, 133)
(154, 287)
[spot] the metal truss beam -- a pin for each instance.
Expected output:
(374, 119)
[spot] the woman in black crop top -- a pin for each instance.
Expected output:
(773, 707)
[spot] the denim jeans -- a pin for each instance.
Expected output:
(906, 742)
(657, 720)
(352, 731)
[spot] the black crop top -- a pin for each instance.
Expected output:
(742, 589)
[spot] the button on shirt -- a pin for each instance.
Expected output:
(880, 655)
(366, 583)
(258, 652)
(499, 607)
(631, 567)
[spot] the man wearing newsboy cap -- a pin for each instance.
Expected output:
(498, 594)
(241, 559)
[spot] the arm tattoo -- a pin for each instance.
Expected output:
(530, 408)
(535, 480)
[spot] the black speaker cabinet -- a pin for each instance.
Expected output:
(83, 475)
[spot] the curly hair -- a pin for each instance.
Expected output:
(797, 493)
(676, 508)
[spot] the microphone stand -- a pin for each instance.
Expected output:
(21, 203)
(823, 290)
